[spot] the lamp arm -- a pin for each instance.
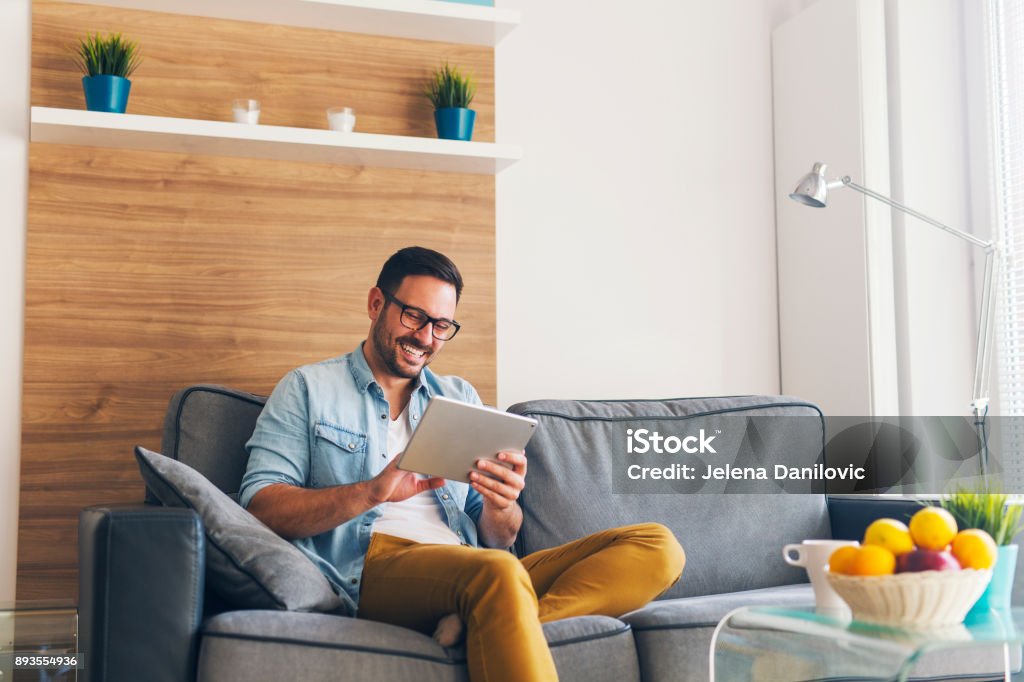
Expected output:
(980, 402)
(981, 368)
(988, 246)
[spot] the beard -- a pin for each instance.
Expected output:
(388, 351)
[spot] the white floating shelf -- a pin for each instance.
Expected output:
(418, 19)
(163, 134)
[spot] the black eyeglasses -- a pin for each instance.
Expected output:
(416, 319)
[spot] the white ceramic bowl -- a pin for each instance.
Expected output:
(926, 599)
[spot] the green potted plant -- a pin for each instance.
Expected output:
(107, 62)
(451, 93)
(992, 513)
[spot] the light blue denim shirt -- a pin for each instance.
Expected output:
(326, 424)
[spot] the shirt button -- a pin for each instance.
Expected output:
(351, 446)
(384, 455)
(383, 416)
(415, 417)
(445, 496)
(355, 580)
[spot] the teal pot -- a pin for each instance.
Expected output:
(106, 93)
(997, 594)
(455, 123)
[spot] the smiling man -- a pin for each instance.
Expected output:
(417, 551)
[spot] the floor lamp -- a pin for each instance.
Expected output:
(813, 191)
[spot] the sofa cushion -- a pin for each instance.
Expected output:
(280, 645)
(697, 612)
(733, 541)
(673, 637)
(206, 427)
(248, 564)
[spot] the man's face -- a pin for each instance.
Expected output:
(405, 352)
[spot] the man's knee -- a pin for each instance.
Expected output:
(667, 558)
(500, 570)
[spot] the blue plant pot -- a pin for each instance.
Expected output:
(106, 93)
(455, 123)
(997, 594)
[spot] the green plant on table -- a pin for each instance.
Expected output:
(448, 88)
(109, 55)
(986, 510)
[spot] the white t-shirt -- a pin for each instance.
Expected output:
(420, 517)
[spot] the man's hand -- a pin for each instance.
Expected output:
(394, 485)
(500, 517)
(500, 494)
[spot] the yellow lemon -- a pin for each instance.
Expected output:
(974, 548)
(933, 528)
(841, 560)
(873, 560)
(891, 534)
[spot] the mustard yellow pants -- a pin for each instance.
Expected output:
(503, 600)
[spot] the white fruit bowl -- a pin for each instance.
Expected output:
(925, 599)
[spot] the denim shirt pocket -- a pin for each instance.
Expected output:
(339, 455)
(459, 491)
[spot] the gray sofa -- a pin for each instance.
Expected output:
(145, 613)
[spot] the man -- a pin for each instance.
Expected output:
(410, 550)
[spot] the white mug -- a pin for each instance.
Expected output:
(813, 555)
(342, 119)
(246, 111)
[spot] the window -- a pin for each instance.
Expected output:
(1006, 57)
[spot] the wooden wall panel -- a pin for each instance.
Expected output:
(147, 272)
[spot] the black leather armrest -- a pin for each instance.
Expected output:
(850, 516)
(140, 593)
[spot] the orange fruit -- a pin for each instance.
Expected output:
(974, 548)
(933, 528)
(841, 560)
(891, 534)
(873, 560)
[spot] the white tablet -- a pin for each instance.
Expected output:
(452, 435)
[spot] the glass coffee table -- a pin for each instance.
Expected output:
(39, 642)
(785, 644)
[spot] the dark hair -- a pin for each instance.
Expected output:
(416, 260)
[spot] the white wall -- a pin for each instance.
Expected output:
(15, 32)
(636, 240)
(931, 164)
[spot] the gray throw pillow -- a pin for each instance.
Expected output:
(247, 564)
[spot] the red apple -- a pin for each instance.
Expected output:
(926, 560)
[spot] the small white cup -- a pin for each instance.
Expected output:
(342, 119)
(813, 555)
(246, 111)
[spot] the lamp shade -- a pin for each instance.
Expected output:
(813, 189)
